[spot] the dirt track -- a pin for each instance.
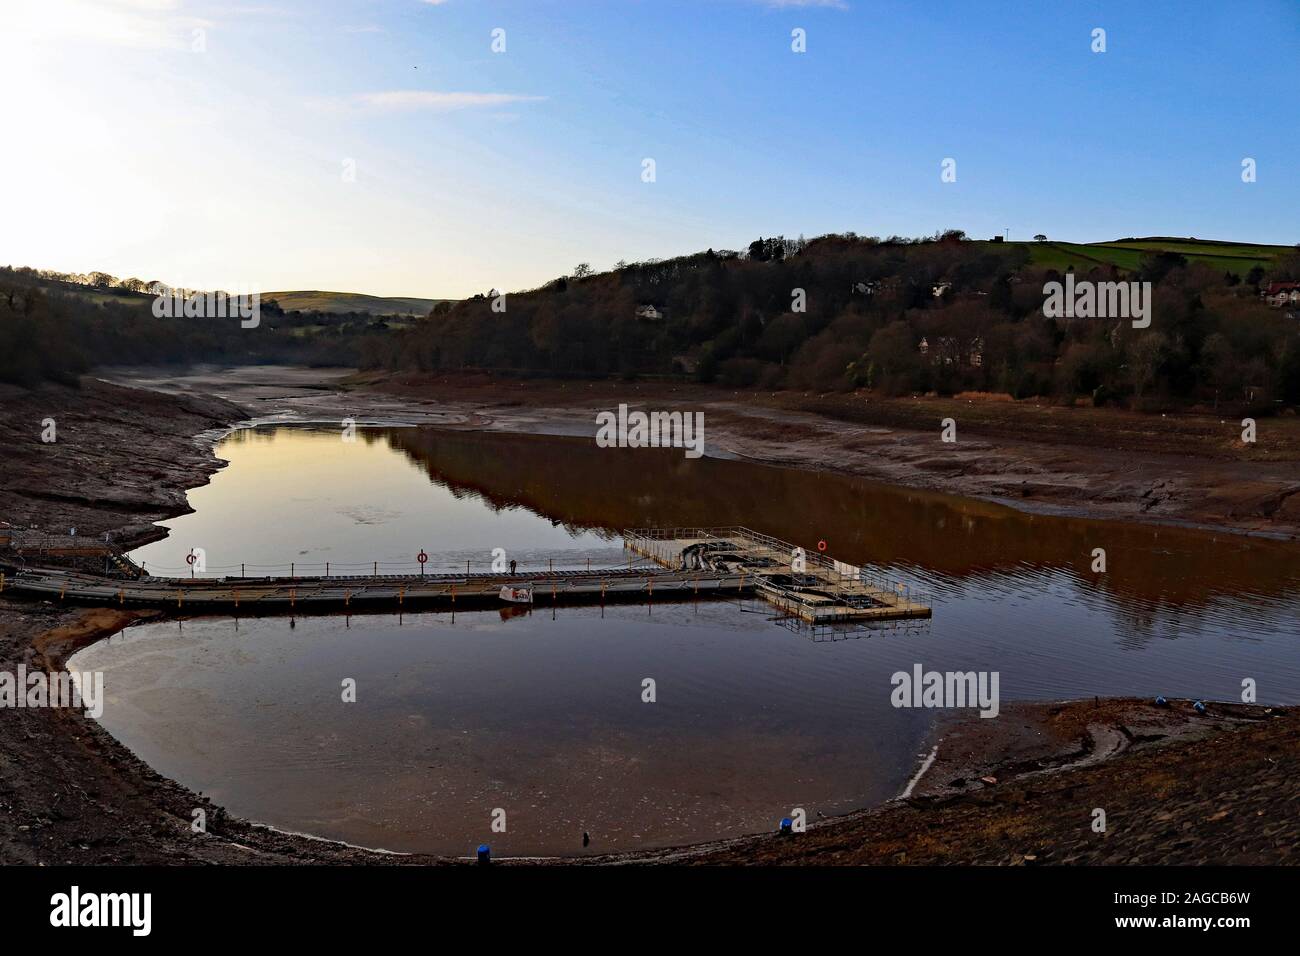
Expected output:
(1218, 790)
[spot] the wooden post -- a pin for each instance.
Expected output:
(327, 569)
(121, 596)
(241, 569)
(401, 593)
(290, 570)
(293, 596)
(376, 574)
(236, 593)
(180, 595)
(2, 581)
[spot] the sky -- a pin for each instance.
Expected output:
(384, 146)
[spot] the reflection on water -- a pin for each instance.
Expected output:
(541, 714)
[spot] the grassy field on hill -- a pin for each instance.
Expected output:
(1235, 257)
(315, 301)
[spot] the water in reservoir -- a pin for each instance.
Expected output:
(543, 714)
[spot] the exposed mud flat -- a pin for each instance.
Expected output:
(1190, 469)
(1023, 789)
(1176, 788)
(121, 459)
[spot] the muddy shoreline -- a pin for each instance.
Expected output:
(1187, 469)
(125, 459)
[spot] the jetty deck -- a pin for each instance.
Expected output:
(805, 583)
(685, 563)
(308, 592)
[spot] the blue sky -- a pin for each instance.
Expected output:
(222, 157)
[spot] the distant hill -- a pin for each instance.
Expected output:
(1236, 257)
(351, 302)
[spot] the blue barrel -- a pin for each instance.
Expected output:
(1161, 702)
(1199, 707)
(484, 854)
(787, 826)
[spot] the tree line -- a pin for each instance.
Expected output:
(55, 328)
(840, 312)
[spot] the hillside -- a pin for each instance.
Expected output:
(351, 302)
(939, 314)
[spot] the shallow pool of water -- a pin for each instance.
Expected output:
(542, 716)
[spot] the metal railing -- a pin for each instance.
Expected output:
(813, 558)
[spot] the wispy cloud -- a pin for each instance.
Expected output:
(391, 101)
(144, 24)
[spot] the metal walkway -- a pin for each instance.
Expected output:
(693, 562)
(306, 593)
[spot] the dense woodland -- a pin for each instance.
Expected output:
(940, 314)
(54, 327)
(870, 304)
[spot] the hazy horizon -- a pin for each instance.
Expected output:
(384, 148)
